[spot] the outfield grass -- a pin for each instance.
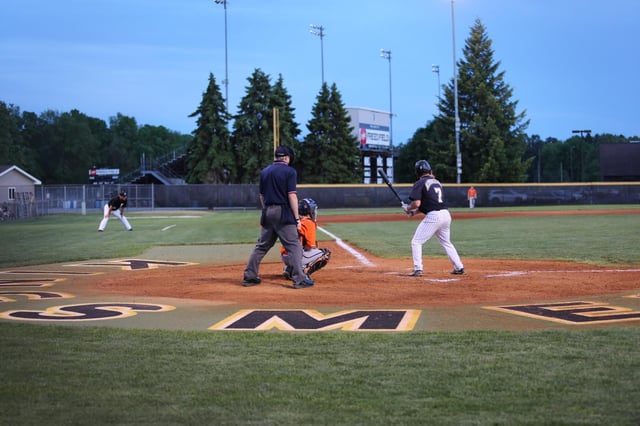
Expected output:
(64, 375)
(600, 239)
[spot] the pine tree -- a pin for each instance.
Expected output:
(492, 138)
(330, 151)
(427, 143)
(252, 137)
(209, 155)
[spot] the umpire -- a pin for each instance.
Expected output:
(279, 219)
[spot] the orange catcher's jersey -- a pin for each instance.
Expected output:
(307, 234)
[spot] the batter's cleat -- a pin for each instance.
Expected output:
(457, 271)
(416, 273)
(250, 282)
(307, 282)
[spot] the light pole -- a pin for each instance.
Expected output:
(582, 137)
(386, 54)
(455, 97)
(226, 61)
(319, 31)
(436, 69)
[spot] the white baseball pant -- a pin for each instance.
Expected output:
(308, 257)
(436, 223)
(116, 213)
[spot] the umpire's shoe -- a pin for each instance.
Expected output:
(250, 282)
(307, 282)
(287, 272)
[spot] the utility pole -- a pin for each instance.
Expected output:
(386, 54)
(226, 60)
(436, 69)
(318, 30)
(455, 95)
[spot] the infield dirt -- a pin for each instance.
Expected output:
(346, 281)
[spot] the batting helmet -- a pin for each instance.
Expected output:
(422, 167)
(308, 207)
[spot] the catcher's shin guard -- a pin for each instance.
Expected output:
(320, 262)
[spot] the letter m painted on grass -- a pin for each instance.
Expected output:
(311, 320)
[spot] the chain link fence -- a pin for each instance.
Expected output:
(30, 201)
(39, 200)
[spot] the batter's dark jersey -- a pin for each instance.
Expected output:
(429, 191)
(115, 203)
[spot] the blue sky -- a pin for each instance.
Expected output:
(571, 64)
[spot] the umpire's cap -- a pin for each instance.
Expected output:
(123, 194)
(284, 151)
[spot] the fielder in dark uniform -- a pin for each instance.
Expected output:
(279, 219)
(116, 206)
(427, 196)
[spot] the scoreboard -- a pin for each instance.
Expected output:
(103, 176)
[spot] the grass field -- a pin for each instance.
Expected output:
(97, 375)
(602, 239)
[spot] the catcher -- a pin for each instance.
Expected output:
(313, 258)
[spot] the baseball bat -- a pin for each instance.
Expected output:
(386, 180)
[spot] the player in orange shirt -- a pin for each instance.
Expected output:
(313, 258)
(472, 194)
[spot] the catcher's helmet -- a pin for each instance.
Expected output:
(308, 207)
(422, 167)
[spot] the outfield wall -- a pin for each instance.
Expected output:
(53, 199)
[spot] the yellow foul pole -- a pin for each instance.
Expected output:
(276, 128)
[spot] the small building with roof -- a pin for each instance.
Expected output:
(16, 184)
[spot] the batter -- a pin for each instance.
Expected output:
(427, 196)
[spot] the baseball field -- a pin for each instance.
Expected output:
(153, 326)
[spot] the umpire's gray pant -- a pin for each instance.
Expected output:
(269, 234)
